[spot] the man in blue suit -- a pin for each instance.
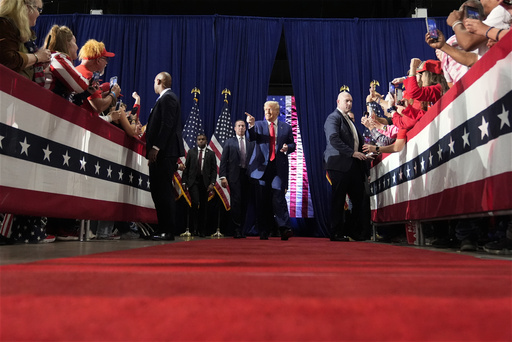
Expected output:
(164, 145)
(346, 167)
(236, 154)
(269, 167)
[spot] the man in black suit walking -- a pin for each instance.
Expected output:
(164, 145)
(345, 165)
(199, 177)
(236, 154)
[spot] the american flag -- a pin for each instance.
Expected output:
(193, 127)
(298, 195)
(223, 131)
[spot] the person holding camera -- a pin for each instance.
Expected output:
(95, 57)
(425, 83)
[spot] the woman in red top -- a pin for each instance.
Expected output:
(425, 83)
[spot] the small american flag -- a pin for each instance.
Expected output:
(193, 127)
(223, 131)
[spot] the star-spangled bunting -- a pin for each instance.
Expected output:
(223, 131)
(475, 132)
(20, 144)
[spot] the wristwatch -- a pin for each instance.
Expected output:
(377, 148)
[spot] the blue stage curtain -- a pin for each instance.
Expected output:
(327, 54)
(246, 50)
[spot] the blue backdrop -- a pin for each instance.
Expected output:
(217, 52)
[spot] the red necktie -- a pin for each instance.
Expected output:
(199, 160)
(272, 142)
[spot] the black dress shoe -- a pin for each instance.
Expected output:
(237, 235)
(286, 234)
(263, 236)
(339, 238)
(163, 237)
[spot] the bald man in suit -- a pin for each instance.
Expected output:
(164, 145)
(347, 169)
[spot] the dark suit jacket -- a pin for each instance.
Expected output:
(340, 143)
(260, 157)
(230, 159)
(191, 167)
(164, 127)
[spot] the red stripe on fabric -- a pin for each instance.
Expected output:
(475, 197)
(29, 92)
(13, 200)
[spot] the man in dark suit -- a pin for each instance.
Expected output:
(199, 178)
(164, 145)
(236, 154)
(269, 167)
(346, 167)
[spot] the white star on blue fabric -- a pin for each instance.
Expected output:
(66, 159)
(465, 138)
(24, 146)
(484, 128)
(47, 152)
(503, 117)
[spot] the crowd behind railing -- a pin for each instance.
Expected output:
(477, 28)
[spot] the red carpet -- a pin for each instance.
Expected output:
(299, 290)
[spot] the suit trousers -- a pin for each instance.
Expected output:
(239, 193)
(199, 196)
(271, 203)
(350, 182)
(161, 174)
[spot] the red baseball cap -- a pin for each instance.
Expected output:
(431, 65)
(103, 53)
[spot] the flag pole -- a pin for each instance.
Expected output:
(218, 234)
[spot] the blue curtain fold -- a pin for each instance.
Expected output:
(246, 50)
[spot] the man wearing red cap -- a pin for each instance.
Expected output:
(94, 58)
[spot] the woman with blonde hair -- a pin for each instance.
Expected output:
(17, 41)
(65, 79)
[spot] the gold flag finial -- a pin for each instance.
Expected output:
(374, 82)
(195, 91)
(226, 92)
(344, 88)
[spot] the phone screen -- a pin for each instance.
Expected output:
(399, 94)
(391, 88)
(113, 80)
(432, 28)
(471, 12)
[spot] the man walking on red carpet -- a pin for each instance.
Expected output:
(269, 167)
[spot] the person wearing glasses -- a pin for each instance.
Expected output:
(18, 50)
(94, 58)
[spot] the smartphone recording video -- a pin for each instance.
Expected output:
(432, 28)
(399, 94)
(113, 81)
(118, 104)
(391, 88)
(471, 12)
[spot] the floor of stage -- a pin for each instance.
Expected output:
(24, 253)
